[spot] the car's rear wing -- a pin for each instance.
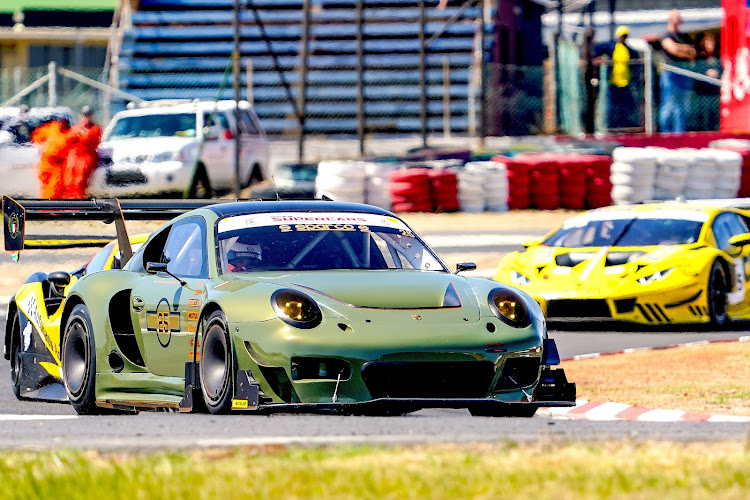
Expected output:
(17, 212)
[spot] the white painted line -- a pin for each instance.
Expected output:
(636, 349)
(728, 418)
(586, 356)
(10, 418)
(744, 339)
(661, 416)
(696, 343)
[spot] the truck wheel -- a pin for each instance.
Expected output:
(201, 187)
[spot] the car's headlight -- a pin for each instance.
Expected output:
(518, 279)
(164, 156)
(509, 307)
(657, 276)
(296, 309)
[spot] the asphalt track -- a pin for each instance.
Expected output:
(30, 424)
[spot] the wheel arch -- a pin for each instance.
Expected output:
(727, 267)
(70, 303)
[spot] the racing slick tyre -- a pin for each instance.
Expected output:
(216, 365)
(716, 295)
(16, 372)
(523, 411)
(201, 186)
(79, 362)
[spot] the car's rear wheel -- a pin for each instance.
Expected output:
(79, 362)
(201, 186)
(716, 295)
(216, 365)
(16, 353)
(524, 411)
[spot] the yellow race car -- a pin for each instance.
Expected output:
(36, 307)
(653, 264)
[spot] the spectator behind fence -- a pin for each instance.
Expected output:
(675, 89)
(52, 141)
(83, 141)
(708, 93)
(621, 102)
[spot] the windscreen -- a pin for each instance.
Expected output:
(320, 241)
(165, 125)
(626, 232)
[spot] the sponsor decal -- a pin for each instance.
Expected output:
(239, 403)
(163, 322)
(13, 226)
(287, 220)
(193, 303)
(192, 315)
(417, 317)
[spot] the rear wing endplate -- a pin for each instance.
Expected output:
(17, 212)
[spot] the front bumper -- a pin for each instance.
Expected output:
(127, 179)
(677, 305)
(439, 362)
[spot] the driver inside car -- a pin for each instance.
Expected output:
(243, 257)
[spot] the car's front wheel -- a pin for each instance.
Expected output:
(716, 295)
(79, 362)
(216, 365)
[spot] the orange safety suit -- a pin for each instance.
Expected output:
(53, 144)
(82, 159)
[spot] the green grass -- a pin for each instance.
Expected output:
(560, 471)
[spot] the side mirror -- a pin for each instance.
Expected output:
(530, 243)
(156, 267)
(740, 240)
(465, 266)
(59, 278)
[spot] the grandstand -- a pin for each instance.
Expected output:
(182, 48)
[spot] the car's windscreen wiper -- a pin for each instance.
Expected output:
(624, 232)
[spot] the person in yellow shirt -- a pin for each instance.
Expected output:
(621, 102)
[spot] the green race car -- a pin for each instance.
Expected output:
(306, 306)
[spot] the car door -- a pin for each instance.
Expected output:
(218, 149)
(168, 310)
(725, 226)
(254, 147)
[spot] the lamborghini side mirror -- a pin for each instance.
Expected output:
(156, 267)
(740, 240)
(465, 266)
(59, 278)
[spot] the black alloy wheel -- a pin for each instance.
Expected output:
(717, 296)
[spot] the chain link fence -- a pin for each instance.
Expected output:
(517, 98)
(51, 88)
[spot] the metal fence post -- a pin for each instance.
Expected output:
(303, 52)
(446, 97)
(648, 92)
(52, 84)
(249, 85)
(423, 72)
(360, 78)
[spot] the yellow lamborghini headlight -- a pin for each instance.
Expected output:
(518, 279)
(509, 307)
(657, 276)
(296, 309)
